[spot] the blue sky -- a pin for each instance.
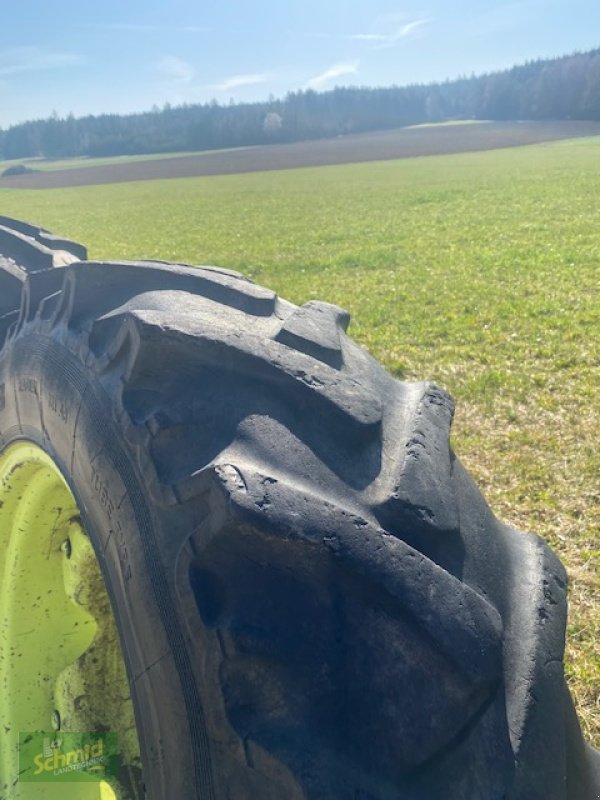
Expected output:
(83, 57)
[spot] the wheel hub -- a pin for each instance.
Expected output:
(61, 666)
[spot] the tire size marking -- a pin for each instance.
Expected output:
(59, 407)
(101, 490)
(29, 385)
(116, 529)
(119, 537)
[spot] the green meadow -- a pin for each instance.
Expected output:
(479, 271)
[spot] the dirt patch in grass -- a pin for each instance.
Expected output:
(378, 146)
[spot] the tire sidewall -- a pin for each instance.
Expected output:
(49, 397)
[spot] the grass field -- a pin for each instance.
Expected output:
(480, 271)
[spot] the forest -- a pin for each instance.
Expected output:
(561, 88)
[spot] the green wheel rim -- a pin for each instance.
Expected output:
(61, 665)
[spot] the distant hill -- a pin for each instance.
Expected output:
(565, 88)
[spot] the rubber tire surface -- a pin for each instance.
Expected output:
(314, 600)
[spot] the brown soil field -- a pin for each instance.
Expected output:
(378, 146)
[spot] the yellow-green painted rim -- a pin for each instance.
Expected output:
(61, 665)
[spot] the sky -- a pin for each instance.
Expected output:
(71, 56)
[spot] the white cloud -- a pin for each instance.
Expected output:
(389, 40)
(238, 81)
(17, 60)
(400, 33)
(336, 71)
(175, 69)
(382, 40)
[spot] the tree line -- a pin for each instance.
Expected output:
(550, 89)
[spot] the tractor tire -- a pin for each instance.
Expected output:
(313, 600)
